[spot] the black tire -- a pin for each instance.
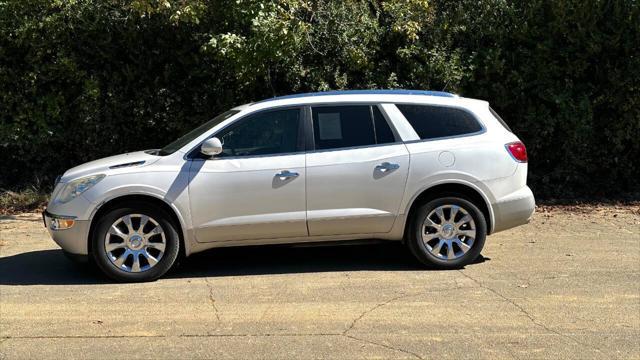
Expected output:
(172, 247)
(418, 247)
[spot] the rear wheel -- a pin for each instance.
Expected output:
(136, 242)
(447, 233)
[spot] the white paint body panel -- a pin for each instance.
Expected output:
(348, 193)
(338, 194)
(243, 199)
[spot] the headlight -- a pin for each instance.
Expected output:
(76, 187)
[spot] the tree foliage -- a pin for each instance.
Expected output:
(82, 79)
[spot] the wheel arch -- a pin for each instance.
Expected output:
(114, 202)
(464, 190)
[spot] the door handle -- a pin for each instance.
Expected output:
(387, 166)
(286, 174)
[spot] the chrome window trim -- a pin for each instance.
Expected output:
(447, 137)
(354, 147)
(301, 152)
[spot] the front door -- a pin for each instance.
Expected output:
(357, 173)
(255, 189)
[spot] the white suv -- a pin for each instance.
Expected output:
(432, 169)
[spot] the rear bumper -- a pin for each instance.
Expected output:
(514, 210)
(72, 240)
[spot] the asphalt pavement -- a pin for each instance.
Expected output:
(565, 286)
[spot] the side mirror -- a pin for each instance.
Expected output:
(211, 147)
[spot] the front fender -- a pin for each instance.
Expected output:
(145, 184)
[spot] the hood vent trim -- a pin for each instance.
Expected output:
(136, 163)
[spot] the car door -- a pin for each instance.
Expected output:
(254, 189)
(356, 173)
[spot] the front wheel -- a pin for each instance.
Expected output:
(447, 233)
(137, 242)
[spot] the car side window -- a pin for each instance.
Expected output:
(432, 122)
(384, 134)
(337, 127)
(264, 133)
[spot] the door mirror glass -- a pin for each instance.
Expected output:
(211, 147)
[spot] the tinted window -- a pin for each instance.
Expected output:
(432, 122)
(188, 137)
(265, 133)
(349, 126)
(383, 131)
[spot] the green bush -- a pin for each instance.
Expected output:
(82, 79)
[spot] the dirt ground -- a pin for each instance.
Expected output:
(565, 286)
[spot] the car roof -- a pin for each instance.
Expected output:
(339, 96)
(362, 92)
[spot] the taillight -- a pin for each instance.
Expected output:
(518, 151)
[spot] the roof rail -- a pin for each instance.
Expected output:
(364, 92)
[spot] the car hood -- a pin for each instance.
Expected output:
(110, 164)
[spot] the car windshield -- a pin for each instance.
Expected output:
(188, 137)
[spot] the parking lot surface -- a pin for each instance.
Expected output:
(565, 286)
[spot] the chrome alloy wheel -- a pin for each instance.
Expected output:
(448, 232)
(135, 243)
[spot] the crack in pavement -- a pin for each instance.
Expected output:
(370, 310)
(366, 312)
(384, 346)
(212, 301)
(379, 305)
(533, 320)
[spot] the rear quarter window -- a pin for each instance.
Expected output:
(432, 122)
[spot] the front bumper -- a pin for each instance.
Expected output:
(73, 240)
(514, 210)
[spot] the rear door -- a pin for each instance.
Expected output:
(356, 171)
